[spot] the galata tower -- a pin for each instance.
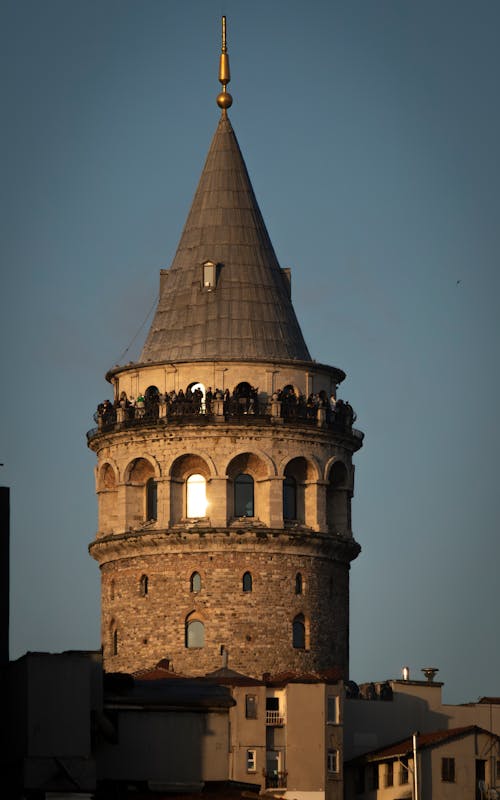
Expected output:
(224, 463)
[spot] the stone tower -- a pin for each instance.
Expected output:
(224, 466)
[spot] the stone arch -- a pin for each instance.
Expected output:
(195, 461)
(107, 476)
(338, 498)
(182, 468)
(107, 494)
(300, 475)
(133, 469)
(261, 464)
(258, 467)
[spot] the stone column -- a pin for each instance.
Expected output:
(217, 500)
(275, 502)
(318, 503)
(163, 502)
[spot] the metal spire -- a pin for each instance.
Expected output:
(224, 99)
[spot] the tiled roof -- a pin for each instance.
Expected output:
(249, 314)
(424, 740)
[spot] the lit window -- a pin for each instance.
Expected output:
(251, 761)
(247, 582)
(151, 499)
(289, 498)
(243, 495)
(448, 770)
(195, 582)
(299, 632)
(298, 583)
(195, 633)
(196, 496)
(144, 585)
(332, 761)
(209, 276)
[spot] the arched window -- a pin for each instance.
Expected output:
(298, 583)
(243, 495)
(151, 499)
(195, 633)
(144, 585)
(195, 582)
(299, 632)
(196, 496)
(289, 498)
(247, 582)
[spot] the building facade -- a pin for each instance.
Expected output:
(224, 462)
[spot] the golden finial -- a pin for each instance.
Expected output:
(224, 99)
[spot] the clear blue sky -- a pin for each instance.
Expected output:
(371, 132)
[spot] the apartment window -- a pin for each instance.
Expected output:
(251, 706)
(403, 771)
(372, 777)
(332, 714)
(332, 761)
(251, 761)
(195, 582)
(243, 495)
(389, 774)
(448, 770)
(247, 582)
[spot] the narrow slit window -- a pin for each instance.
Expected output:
(247, 582)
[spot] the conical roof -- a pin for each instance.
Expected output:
(248, 314)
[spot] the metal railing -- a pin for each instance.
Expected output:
(275, 780)
(274, 718)
(182, 413)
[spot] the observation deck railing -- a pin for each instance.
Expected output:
(189, 413)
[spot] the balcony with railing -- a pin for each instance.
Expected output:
(275, 780)
(239, 411)
(274, 717)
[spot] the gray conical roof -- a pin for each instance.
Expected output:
(249, 314)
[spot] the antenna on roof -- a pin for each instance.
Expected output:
(224, 99)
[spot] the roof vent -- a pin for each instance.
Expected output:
(430, 673)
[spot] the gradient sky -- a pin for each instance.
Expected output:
(371, 132)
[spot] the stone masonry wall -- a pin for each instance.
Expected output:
(255, 627)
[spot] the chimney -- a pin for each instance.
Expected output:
(406, 673)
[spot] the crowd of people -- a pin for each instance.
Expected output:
(244, 400)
